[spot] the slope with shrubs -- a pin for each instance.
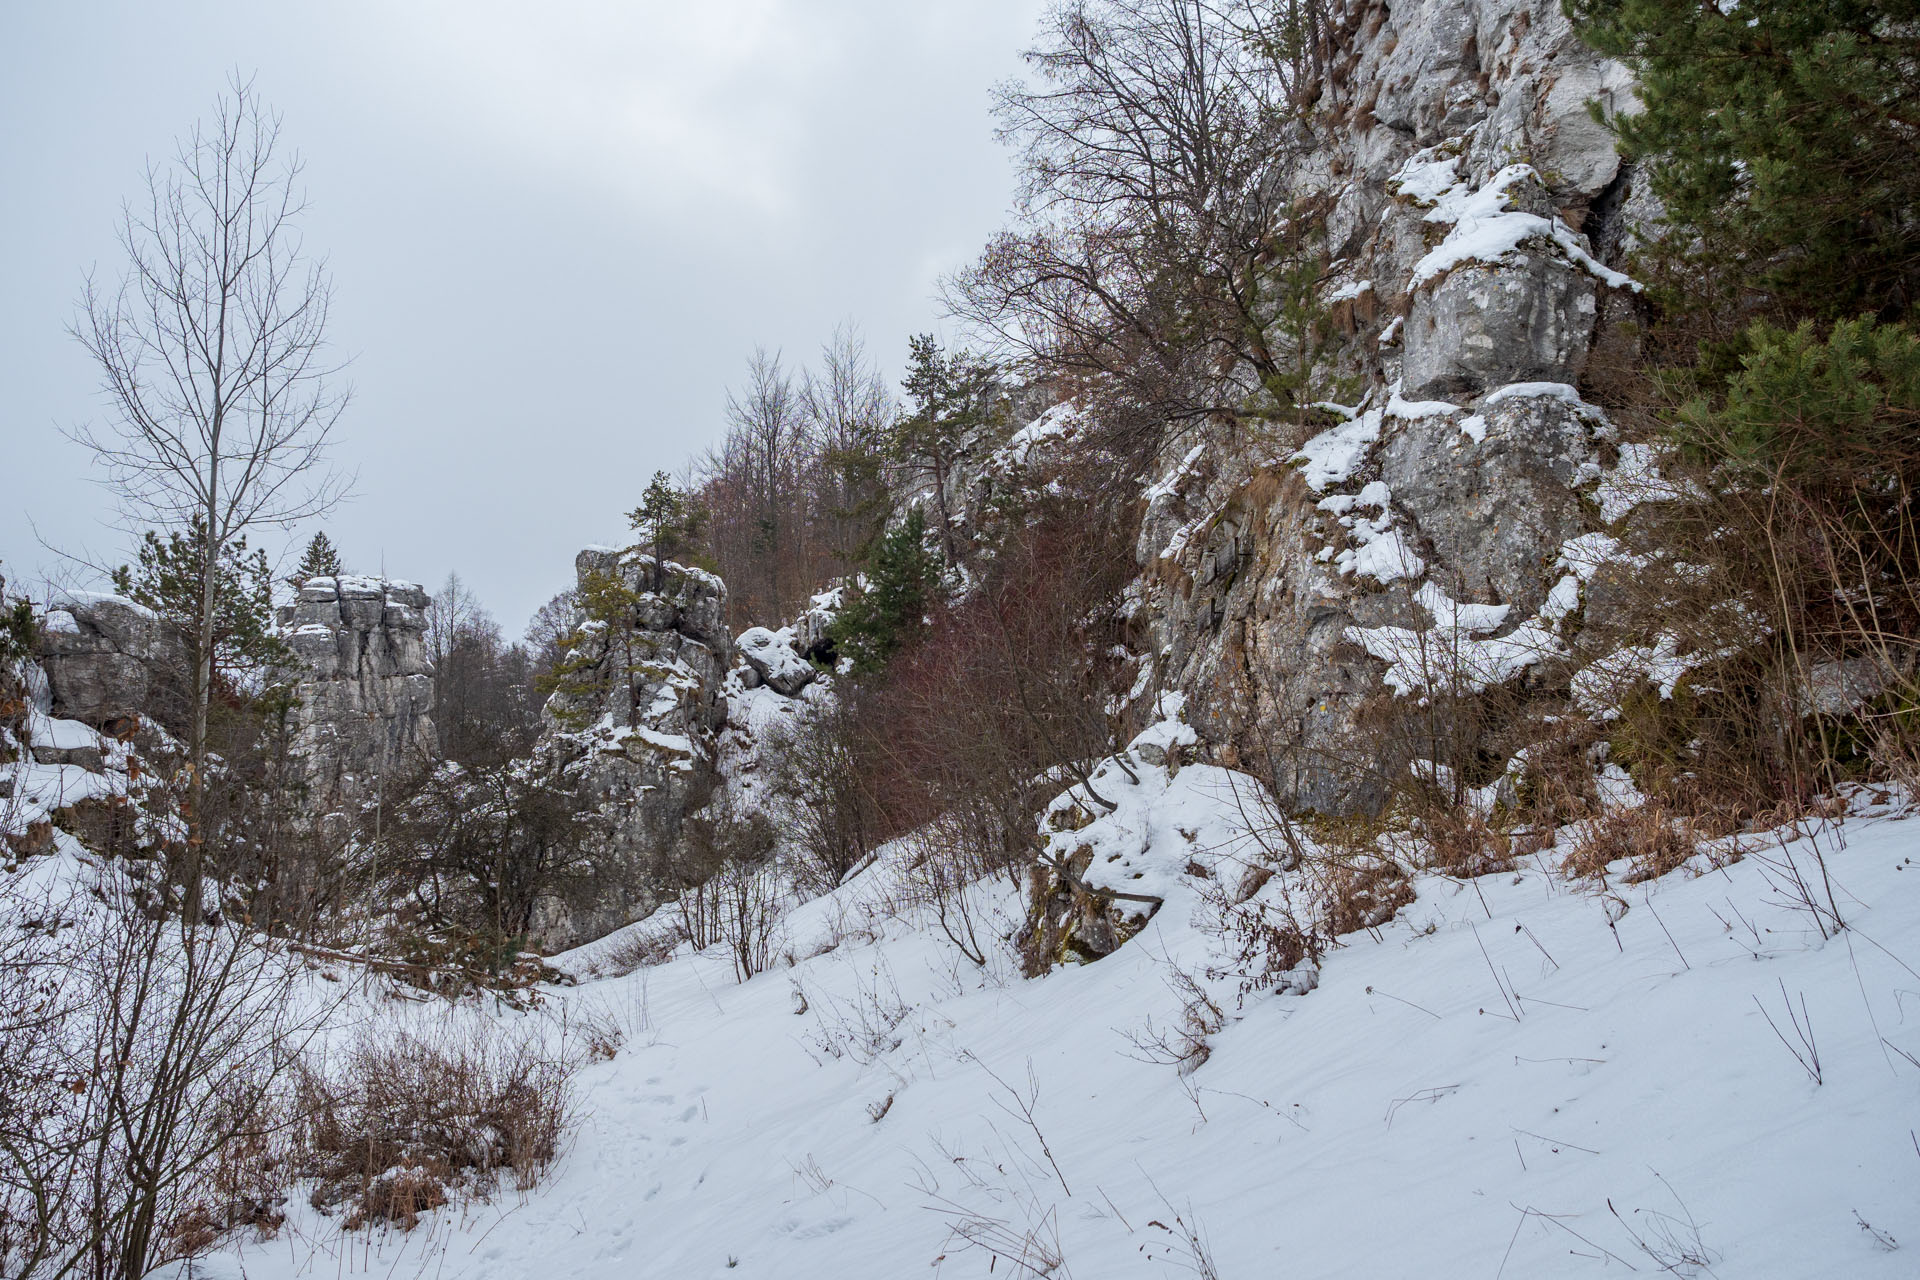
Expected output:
(1525, 1073)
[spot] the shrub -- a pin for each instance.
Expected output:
(730, 891)
(1653, 838)
(398, 1122)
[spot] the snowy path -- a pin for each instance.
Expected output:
(1415, 1116)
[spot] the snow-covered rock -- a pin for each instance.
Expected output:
(109, 660)
(634, 741)
(775, 659)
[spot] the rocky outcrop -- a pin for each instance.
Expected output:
(773, 658)
(1310, 596)
(364, 688)
(108, 661)
(630, 738)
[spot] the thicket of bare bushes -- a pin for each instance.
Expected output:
(795, 491)
(141, 1091)
(969, 729)
(396, 1122)
(730, 889)
(463, 858)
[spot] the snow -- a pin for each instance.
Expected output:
(63, 735)
(1453, 655)
(1635, 480)
(1349, 291)
(1599, 687)
(1416, 409)
(1584, 554)
(1335, 454)
(1429, 175)
(1170, 483)
(69, 598)
(1381, 552)
(1544, 390)
(1170, 731)
(1515, 1077)
(60, 622)
(1486, 230)
(1057, 423)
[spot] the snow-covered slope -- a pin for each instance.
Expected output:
(1515, 1077)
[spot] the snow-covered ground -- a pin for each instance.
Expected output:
(1516, 1077)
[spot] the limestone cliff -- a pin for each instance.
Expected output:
(1311, 589)
(108, 661)
(632, 738)
(364, 688)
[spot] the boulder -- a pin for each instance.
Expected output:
(774, 658)
(1488, 324)
(1493, 501)
(109, 660)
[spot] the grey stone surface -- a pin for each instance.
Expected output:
(1483, 326)
(108, 660)
(1239, 605)
(1498, 508)
(364, 684)
(635, 747)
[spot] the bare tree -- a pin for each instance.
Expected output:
(138, 1108)
(213, 359)
(451, 611)
(1159, 251)
(752, 488)
(848, 409)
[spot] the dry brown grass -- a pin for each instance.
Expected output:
(1462, 842)
(395, 1124)
(639, 949)
(1653, 838)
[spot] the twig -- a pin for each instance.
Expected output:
(1424, 1095)
(1512, 1008)
(1647, 898)
(1807, 1055)
(1536, 942)
(1374, 991)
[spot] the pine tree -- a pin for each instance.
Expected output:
(16, 631)
(902, 578)
(168, 580)
(952, 396)
(606, 630)
(667, 520)
(319, 561)
(1780, 136)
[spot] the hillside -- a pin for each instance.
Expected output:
(1517, 1076)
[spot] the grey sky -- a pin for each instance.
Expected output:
(556, 229)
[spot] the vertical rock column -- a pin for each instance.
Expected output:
(365, 692)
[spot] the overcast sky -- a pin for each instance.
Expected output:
(556, 232)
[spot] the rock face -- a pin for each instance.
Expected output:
(108, 660)
(364, 686)
(1309, 606)
(632, 739)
